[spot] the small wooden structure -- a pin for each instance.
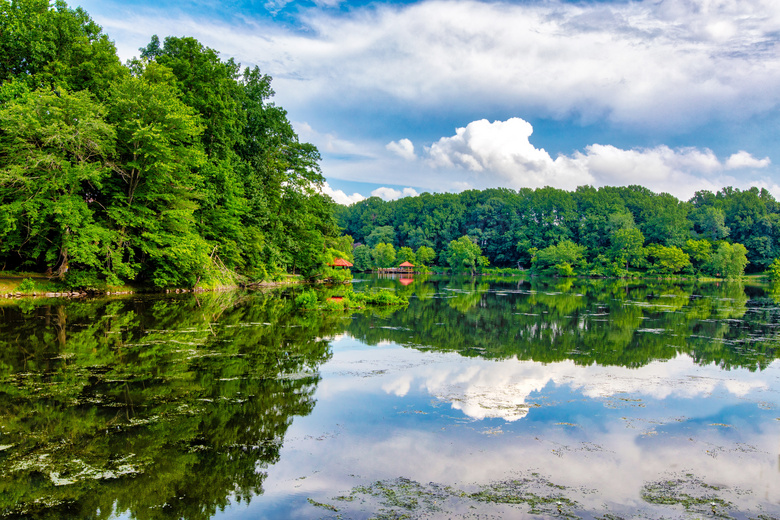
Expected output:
(340, 262)
(407, 267)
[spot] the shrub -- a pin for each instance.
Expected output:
(27, 286)
(774, 271)
(84, 280)
(306, 300)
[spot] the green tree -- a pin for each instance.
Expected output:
(54, 159)
(405, 254)
(383, 255)
(728, 260)
(154, 194)
(752, 219)
(464, 255)
(45, 46)
(774, 271)
(710, 222)
(363, 259)
(699, 251)
(665, 221)
(382, 234)
(425, 255)
(627, 246)
(667, 259)
(563, 258)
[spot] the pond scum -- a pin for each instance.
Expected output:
(677, 496)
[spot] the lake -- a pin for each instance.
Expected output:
(486, 397)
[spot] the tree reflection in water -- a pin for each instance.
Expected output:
(161, 408)
(604, 322)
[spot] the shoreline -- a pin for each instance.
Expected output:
(9, 292)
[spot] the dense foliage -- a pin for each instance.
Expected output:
(174, 170)
(607, 231)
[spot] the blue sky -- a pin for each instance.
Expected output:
(437, 95)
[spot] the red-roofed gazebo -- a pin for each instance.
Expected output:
(340, 262)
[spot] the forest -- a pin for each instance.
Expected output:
(174, 169)
(607, 231)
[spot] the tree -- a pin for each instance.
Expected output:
(667, 259)
(343, 245)
(382, 234)
(562, 258)
(627, 246)
(363, 259)
(774, 270)
(55, 48)
(464, 255)
(153, 197)
(665, 221)
(710, 222)
(176, 169)
(425, 255)
(384, 255)
(54, 157)
(728, 260)
(699, 251)
(405, 254)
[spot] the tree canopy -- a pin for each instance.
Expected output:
(594, 231)
(174, 170)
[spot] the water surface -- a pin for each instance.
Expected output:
(485, 398)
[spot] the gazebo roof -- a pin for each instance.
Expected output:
(340, 262)
(406, 264)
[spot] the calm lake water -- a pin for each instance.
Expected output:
(484, 398)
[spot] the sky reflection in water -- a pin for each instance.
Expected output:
(605, 434)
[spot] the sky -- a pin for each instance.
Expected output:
(408, 97)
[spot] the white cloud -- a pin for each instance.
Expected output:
(644, 63)
(403, 148)
(501, 149)
(500, 154)
(392, 194)
(743, 159)
(630, 62)
(340, 197)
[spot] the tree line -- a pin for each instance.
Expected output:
(606, 231)
(173, 169)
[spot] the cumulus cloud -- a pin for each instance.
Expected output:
(503, 149)
(743, 159)
(483, 389)
(340, 197)
(500, 153)
(393, 194)
(403, 148)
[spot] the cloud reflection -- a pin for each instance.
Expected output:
(501, 389)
